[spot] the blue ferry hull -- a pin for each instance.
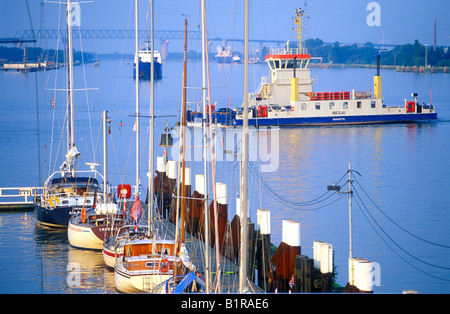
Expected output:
(391, 118)
(145, 69)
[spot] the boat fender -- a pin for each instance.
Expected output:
(83, 215)
(164, 265)
(52, 201)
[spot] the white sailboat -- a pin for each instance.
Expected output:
(68, 190)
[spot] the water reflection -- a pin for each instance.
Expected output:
(64, 269)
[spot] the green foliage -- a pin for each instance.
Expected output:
(403, 55)
(34, 54)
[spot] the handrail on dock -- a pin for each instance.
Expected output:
(18, 198)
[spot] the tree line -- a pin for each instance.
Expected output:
(402, 55)
(16, 55)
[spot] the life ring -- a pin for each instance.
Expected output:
(52, 201)
(83, 215)
(164, 265)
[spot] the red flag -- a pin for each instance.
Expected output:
(136, 211)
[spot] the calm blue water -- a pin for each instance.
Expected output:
(404, 169)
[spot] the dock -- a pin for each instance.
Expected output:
(18, 198)
(229, 271)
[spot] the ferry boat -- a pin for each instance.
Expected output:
(286, 97)
(224, 54)
(145, 63)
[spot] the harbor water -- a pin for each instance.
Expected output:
(400, 204)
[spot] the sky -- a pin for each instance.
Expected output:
(345, 21)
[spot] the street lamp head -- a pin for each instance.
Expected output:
(334, 188)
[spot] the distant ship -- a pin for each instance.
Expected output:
(286, 97)
(145, 60)
(224, 54)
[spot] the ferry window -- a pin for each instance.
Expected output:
(345, 105)
(290, 64)
(372, 104)
(317, 105)
(359, 104)
(297, 64)
(283, 64)
(303, 106)
(277, 64)
(271, 64)
(331, 105)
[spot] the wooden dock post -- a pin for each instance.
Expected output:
(303, 274)
(323, 266)
(283, 261)
(263, 247)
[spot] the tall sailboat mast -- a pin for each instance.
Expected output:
(151, 140)
(205, 202)
(71, 127)
(136, 46)
(243, 238)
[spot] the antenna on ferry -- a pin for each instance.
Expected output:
(298, 20)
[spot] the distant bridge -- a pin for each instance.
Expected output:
(29, 35)
(128, 34)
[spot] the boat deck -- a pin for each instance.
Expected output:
(196, 248)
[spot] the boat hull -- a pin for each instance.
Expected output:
(53, 217)
(111, 252)
(145, 70)
(88, 236)
(338, 120)
(135, 283)
(83, 237)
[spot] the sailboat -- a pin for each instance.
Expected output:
(147, 262)
(90, 227)
(68, 190)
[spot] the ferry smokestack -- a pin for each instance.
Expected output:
(377, 81)
(378, 65)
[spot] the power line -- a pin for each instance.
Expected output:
(415, 267)
(417, 237)
(290, 203)
(390, 238)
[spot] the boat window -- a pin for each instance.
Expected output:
(277, 64)
(271, 64)
(283, 64)
(372, 104)
(151, 264)
(345, 105)
(303, 105)
(317, 105)
(331, 105)
(297, 64)
(359, 104)
(290, 64)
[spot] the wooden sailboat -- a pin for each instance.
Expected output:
(147, 262)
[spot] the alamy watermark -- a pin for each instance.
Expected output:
(74, 18)
(263, 146)
(374, 17)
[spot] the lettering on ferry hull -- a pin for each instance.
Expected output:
(338, 112)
